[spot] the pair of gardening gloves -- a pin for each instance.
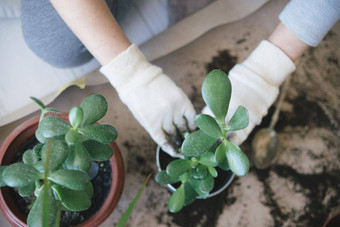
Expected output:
(164, 110)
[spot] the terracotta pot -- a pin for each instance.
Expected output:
(18, 139)
(221, 182)
(334, 221)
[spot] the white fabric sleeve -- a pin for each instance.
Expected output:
(310, 20)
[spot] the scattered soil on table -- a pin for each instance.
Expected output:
(223, 61)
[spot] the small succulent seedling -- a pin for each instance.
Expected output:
(208, 147)
(56, 170)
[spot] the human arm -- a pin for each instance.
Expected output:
(256, 80)
(156, 102)
(96, 27)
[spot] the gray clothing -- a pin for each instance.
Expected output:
(49, 37)
(310, 20)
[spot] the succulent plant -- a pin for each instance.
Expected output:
(56, 170)
(207, 148)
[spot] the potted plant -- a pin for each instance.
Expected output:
(55, 172)
(207, 153)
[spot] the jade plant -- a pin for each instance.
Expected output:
(208, 147)
(55, 171)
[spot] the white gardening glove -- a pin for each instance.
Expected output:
(255, 85)
(152, 97)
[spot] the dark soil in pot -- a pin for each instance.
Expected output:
(101, 184)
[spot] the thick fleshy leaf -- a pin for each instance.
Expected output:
(208, 125)
(163, 178)
(94, 108)
(29, 157)
(51, 126)
(39, 166)
(2, 169)
(75, 116)
(44, 210)
(203, 186)
(56, 155)
(26, 190)
(89, 189)
(220, 152)
(216, 92)
(20, 174)
(178, 167)
(72, 179)
(38, 102)
(200, 172)
(78, 159)
(190, 194)
(239, 120)
(37, 150)
(177, 199)
(40, 136)
(73, 200)
(237, 160)
(101, 133)
(98, 151)
(208, 159)
(212, 171)
(197, 143)
(224, 164)
(72, 137)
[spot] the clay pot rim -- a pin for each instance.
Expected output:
(117, 185)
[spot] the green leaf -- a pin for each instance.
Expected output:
(37, 150)
(237, 160)
(220, 152)
(208, 159)
(197, 143)
(98, 151)
(239, 120)
(216, 92)
(39, 166)
(163, 178)
(78, 159)
(177, 199)
(57, 154)
(208, 125)
(72, 137)
(38, 102)
(89, 189)
(200, 172)
(128, 211)
(73, 200)
(2, 169)
(72, 179)
(101, 133)
(75, 116)
(94, 108)
(26, 190)
(51, 126)
(40, 136)
(224, 164)
(190, 194)
(203, 186)
(178, 167)
(20, 174)
(44, 210)
(29, 158)
(50, 110)
(212, 171)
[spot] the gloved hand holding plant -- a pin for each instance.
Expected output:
(208, 148)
